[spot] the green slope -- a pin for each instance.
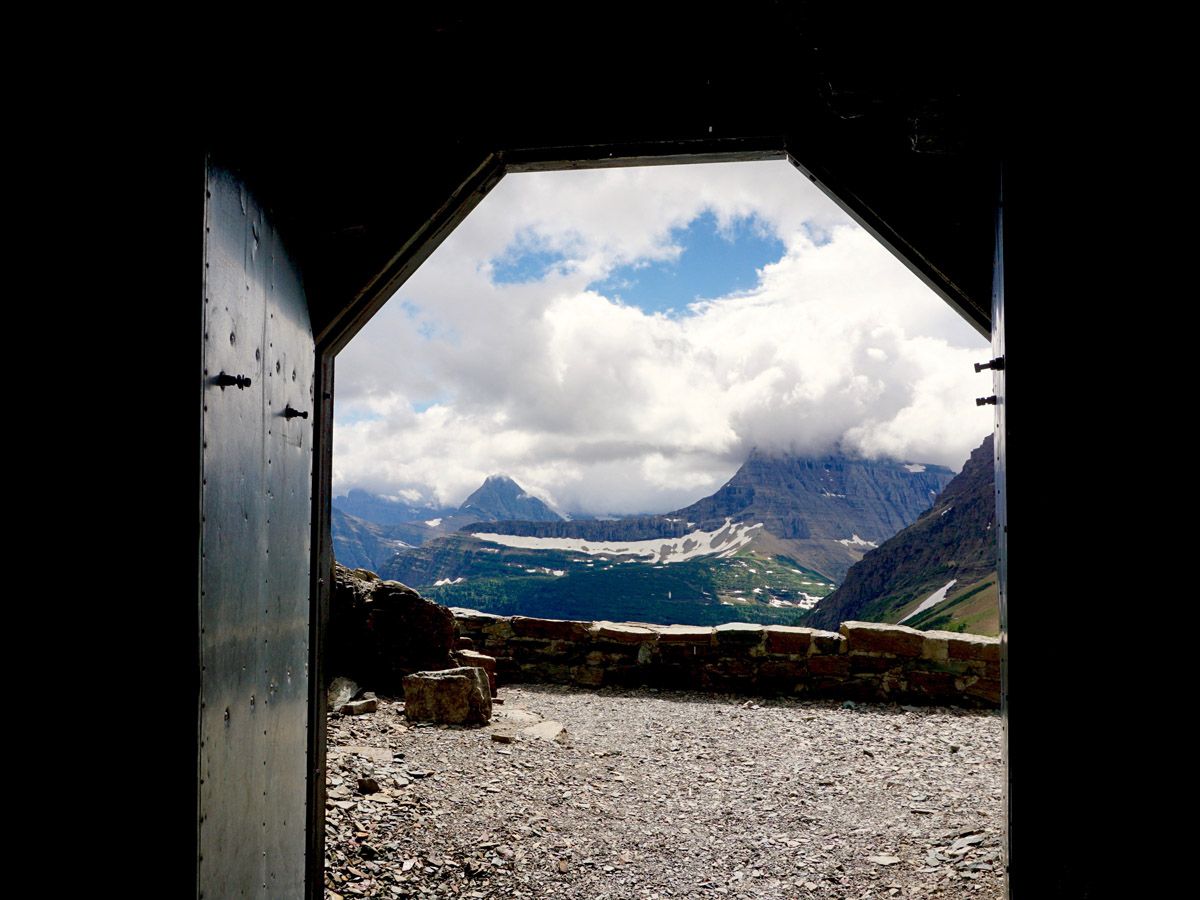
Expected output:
(747, 586)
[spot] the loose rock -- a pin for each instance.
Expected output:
(360, 707)
(668, 795)
(459, 696)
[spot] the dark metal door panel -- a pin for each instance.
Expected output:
(288, 387)
(254, 567)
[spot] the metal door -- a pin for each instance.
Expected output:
(255, 497)
(1000, 447)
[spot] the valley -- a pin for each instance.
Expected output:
(787, 540)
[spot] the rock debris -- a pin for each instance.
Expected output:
(646, 795)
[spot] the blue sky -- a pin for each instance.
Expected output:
(711, 262)
(556, 336)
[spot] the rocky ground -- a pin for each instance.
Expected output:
(656, 794)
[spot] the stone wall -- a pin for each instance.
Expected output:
(864, 661)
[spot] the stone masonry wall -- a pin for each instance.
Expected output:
(865, 661)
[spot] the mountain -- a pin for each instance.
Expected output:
(827, 510)
(943, 565)
(824, 511)
(501, 499)
(386, 510)
(359, 544)
(767, 546)
(371, 537)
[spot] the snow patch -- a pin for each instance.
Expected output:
(442, 581)
(433, 523)
(808, 601)
(914, 467)
(855, 541)
(542, 570)
(723, 541)
(932, 600)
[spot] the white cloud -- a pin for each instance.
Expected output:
(598, 406)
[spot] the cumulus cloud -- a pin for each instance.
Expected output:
(601, 407)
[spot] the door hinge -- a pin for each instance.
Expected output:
(997, 364)
(239, 381)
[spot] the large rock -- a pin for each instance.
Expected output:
(341, 691)
(380, 631)
(459, 696)
(479, 661)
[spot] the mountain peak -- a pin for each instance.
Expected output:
(500, 498)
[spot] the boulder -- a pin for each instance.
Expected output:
(380, 631)
(341, 692)
(459, 696)
(480, 661)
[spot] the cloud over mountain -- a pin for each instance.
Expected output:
(504, 353)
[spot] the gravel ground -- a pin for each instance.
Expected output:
(655, 794)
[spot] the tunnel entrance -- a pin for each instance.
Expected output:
(499, 859)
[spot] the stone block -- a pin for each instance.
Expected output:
(531, 647)
(726, 668)
(873, 637)
(832, 666)
(589, 676)
(974, 646)
(552, 629)
(932, 684)
(985, 689)
(861, 687)
(739, 634)
(498, 632)
(473, 619)
(874, 664)
(683, 654)
(782, 670)
(826, 642)
(619, 633)
(480, 660)
(936, 646)
(552, 673)
(684, 634)
(788, 640)
(360, 707)
(459, 696)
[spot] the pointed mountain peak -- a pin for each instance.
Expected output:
(500, 498)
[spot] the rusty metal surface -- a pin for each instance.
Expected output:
(254, 567)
